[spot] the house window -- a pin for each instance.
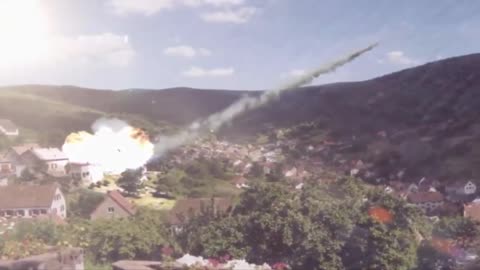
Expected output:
(62, 208)
(9, 213)
(21, 213)
(2, 213)
(34, 212)
(43, 211)
(111, 209)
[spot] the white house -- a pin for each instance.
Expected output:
(461, 188)
(8, 128)
(31, 201)
(51, 161)
(85, 172)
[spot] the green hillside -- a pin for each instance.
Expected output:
(49, 121)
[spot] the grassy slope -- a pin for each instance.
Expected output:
(50, 120)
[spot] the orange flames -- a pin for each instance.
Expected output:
(114, 147)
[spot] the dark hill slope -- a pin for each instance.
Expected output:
(433, 109)
(423, 95)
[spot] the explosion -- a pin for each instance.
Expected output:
(114, 145)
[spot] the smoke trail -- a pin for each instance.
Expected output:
(216, 120)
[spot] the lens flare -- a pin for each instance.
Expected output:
(114, 145)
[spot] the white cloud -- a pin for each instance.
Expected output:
(182, 50)
(186, 51)
(238, 16)
(199, 72)
(151, 7)
(216, 3)
(399, 58)
(103, 49)
(144, 7)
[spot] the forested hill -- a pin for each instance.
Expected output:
(434, 105)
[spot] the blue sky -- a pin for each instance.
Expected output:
(225, 44)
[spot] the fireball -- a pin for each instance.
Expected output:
(114, 145)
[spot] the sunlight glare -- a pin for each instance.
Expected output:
(24, 33)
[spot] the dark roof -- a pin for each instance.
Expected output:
(20, 149)
(27, 196)
(117, 197)
(186, 207)
(423, 197)
(8, 125)
(47, 154)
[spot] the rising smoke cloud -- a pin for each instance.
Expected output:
(245, 104)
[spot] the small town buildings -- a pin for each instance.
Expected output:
(8, 128)
(115, 205)
(14, 156)
(30, 201)
(85, 172)
(461, 188)
(6, 165)
(427, 201)
(50, 161)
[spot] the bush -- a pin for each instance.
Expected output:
(82, 203)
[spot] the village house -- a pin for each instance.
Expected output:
(187, 208)
(268, 167)
(427, 201)
(472, 210)
(114, 205)
(85, 172)
(6, 165)
(461, 188)
(50, 161)
(31, 201)
(240, 182)
(14, 154)
(8, 128)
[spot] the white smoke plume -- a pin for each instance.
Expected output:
(215, 121)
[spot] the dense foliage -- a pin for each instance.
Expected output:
(201, 177)
(130, 181)
(139, 237)
(320, 227)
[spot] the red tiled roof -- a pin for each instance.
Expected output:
(423, 197)
(472, 211)
(116, 196)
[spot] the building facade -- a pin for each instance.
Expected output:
(51, 161)
(30, 201)
(85, 172)
(113, 206)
